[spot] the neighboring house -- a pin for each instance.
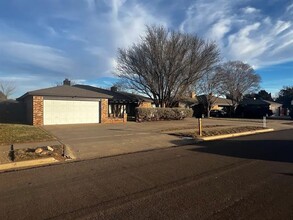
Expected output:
(12, 111)
(258, 108)
(2, 97)
(218, 103)
(121, 102)
(199, 103)
(275, 107)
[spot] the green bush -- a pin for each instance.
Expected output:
(158, 114)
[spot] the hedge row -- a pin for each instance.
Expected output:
(158, 114)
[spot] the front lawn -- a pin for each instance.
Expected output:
(17, 133)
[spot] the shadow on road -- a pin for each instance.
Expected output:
(275, 146)
(272, 150)
(287, 174)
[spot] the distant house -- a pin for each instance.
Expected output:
(11, 111)
(275, 107)
(2, 97)
(199, 103)
(258, 108)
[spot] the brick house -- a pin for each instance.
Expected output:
(76, 105)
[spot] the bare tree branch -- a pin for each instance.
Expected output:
(165, 64)
(7, 89)
(238, 79)
(210, 85)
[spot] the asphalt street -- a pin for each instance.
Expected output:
(242, 178)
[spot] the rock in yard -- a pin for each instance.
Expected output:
(45, 152)
(21, 151)
(39, 150)
(50, 148)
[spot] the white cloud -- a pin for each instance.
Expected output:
(250, 10)
(258, 39)
(120, 27)
(289, 8)
(97, 51)
(37, 55)
(51, 31)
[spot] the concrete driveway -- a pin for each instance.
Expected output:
(101, 140)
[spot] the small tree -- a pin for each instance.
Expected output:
(165, 64)
(286, 96)
(265, 95)
(262, 94)
(7, 89)
(210, 85)
(238, 79)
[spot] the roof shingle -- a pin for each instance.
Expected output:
(116, 96)
(65, 91)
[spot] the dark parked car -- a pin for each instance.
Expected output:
(217, 113)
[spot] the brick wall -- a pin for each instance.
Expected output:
(105, 119)
(104, 110)
(38, 110)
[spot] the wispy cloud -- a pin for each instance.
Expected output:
(250, 10)
(260, 40)
(290, 8)
(37, 55)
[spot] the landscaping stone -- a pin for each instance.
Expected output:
(50, 148)
(45, 152)
(39, 150)
(38, 153)
(21, 151)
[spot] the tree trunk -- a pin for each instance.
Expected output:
(163, 104)
(208, 110)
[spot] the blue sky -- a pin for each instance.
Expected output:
(44, 41)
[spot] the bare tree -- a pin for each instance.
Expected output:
(238, 79)
(121, 85)
(210, 85)
(7, 88)
(165, 64)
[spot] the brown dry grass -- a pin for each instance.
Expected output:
(191, 127)
(17, 133)
(208, 133)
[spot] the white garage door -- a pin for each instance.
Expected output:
(71, 112)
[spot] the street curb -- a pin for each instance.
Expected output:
(27, 164)
(218, 137)
(68, 152)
